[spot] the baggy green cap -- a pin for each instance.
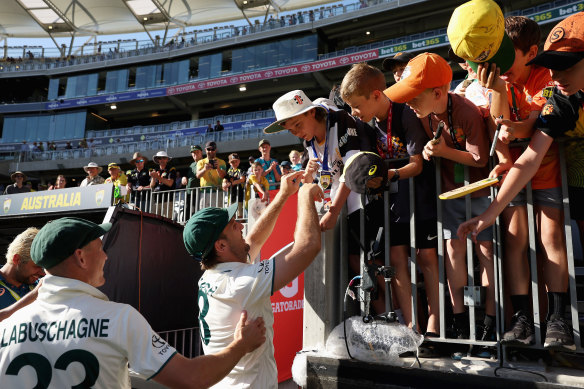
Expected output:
(204, 227)
(59, 239)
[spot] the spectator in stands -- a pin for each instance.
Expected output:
(400, 135)
(286, 167)
(271, 169)
(119, 180)
(178, 180)
(234, 183)
(210, 170)
(282, 21)
(295, 158)
(257, 184)
(60, 183)
(90, 144)
(53, 146)
(93, 177)
(330, 137)
(24, 149)
(163, 179)
(191, 180)
(521, 95)
(18, 178)
(250, 160)
(19, 275)
(83, 143)
(311, 15)
(68, 146)
(139, 182)
(209, 128)
(397, 64)
(218, 126)
(463, 143)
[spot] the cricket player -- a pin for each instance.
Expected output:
(231, 284)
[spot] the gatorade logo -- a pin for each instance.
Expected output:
(372, 170)
(557, 34)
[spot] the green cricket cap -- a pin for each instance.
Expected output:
(204, 227)
(59, 239)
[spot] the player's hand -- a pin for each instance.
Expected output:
(489, 76)
(473, 227)
(250, 334)
(290, 183)
(310, 170)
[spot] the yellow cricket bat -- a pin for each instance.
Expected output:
(468, 189)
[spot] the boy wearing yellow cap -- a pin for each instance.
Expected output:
(562, 115)
(424, 87)
(120, 180)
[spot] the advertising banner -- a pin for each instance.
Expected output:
(288, 302)
(59, 200)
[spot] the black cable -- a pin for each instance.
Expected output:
(520, 370)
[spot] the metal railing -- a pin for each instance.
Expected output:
(186, 341)
(473, 280)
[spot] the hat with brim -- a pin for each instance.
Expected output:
(59, 239)
(113, 165)
(196, 148)
(92, 164)
(204, 228)
(564, 45)
(504, 57)
(137, 156)
(557, 60)
(291, 104)
(13, 175)
(160, 154)
(401, 58)
(361, 168)
(425, 71)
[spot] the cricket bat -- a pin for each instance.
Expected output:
(468, 189)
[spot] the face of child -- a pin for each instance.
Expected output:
(571, 80)
(423, 104)
(361, 107)
(295, 158)
(397, 72)
(234, 163)
(519, 67)
(257, 171)
(304, 126)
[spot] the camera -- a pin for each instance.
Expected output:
(213, 163)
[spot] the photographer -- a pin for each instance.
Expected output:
(210, 172)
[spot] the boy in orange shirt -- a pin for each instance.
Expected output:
(562, 115)
(518, 95)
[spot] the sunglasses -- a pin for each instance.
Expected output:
(210, 149)
(139, 160)
(18, 176)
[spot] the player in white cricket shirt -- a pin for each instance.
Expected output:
(72, 336)
(231, 283)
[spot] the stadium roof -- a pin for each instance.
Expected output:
(57, 18)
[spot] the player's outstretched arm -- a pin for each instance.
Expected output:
(265, 224)
(206, 370)
(23, 302)
(519, 175)
(306, 238)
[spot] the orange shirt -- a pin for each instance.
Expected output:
(528, 98)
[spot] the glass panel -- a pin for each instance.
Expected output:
(53, 89)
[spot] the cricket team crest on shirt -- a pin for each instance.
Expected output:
(7, 204)
(548, 109)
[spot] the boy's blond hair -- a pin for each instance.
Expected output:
(294, 153)
(362, 80)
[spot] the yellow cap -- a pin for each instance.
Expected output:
(476, 30)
